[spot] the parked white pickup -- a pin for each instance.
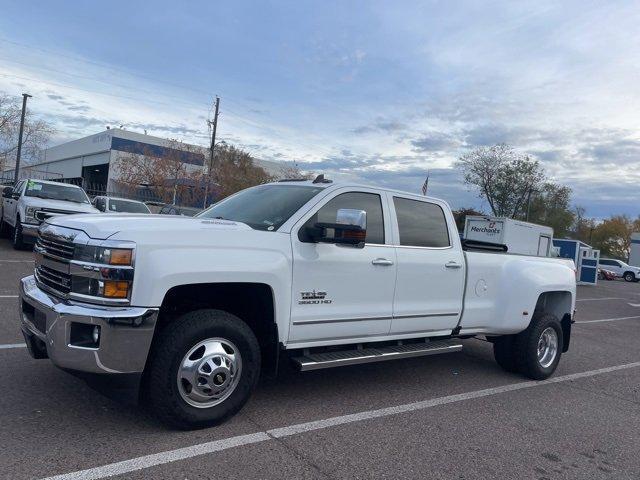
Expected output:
(30, 202)
(323, 274)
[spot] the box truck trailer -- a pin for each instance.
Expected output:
(634, 254)
(519, 237)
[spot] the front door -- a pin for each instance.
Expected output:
(11, 206)
(342, 293)
(431, 269)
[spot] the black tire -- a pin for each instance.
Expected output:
(526, 346)
(629, 277)
(4, 228)
(504, 353)
(160, 385)
(17, 239)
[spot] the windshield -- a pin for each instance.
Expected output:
(55, 192)
(127, 206)
(265, 207)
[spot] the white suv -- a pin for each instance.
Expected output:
(621, 269)
(31, 202)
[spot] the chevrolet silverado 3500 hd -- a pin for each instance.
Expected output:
(192, 309)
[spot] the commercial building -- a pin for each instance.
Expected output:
(92, 162)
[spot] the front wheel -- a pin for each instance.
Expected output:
(17, 239)
(4, 228)
(629, 277)
(202, 369)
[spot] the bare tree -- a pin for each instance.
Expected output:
(35, 136)
(503, 177)
(294, 171)
(234, 170)
(169, 175)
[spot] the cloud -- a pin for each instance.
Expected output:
(435, 141)
(381, 125)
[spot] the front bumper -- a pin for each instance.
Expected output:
(29, 232)
(125, 332)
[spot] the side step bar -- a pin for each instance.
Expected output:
(316, 361)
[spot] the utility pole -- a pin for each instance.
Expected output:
(19, 152)
(214, 126)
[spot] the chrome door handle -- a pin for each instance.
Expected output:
(382, 261)
(452, 264)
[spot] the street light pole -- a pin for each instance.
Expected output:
(19, 152)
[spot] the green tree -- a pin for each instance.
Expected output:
(551, 206)
(503, 177)
(613, 236)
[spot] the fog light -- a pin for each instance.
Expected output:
(96, 335)
(115, 289)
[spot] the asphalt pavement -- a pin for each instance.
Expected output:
(454, 416)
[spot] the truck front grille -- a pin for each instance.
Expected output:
(56, 248)
(59, 281)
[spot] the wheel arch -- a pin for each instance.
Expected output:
(560, 304)
(253, 303)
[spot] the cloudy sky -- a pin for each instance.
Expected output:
(375, 91)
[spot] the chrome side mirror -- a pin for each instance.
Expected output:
(350, 229)
(352, 217)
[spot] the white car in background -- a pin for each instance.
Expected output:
(30, 202)
(119, 205)
(621, 269)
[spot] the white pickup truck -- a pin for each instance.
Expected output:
(191, 310)
(30, 202)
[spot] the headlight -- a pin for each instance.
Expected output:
(115, 256)
(104, 255)
(30, 215)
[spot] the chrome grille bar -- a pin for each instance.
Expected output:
(56, 247)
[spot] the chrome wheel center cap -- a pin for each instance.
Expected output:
(209, 372)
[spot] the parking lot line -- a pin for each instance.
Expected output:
(595, 299)
(16, 261)
(608, 319)
(8, 296)
(148, 461)
(12, 345)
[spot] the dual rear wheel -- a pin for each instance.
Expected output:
(534, 352)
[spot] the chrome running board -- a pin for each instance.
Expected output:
(316, 361)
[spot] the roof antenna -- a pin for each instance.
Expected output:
(320, 179)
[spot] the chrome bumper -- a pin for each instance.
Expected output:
(125, 332)
(29, 232)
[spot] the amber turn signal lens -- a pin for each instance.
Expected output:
(120, 256)
(116, 289)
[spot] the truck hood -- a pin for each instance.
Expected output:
(60, 205)
(105, 225)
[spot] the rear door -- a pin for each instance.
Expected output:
(543, 245)
(431, 268)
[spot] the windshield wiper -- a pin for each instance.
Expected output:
(71, 200)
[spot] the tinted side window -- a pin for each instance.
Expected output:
(606, 262)
(421, 224)
(369, 202)
(18, 188)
